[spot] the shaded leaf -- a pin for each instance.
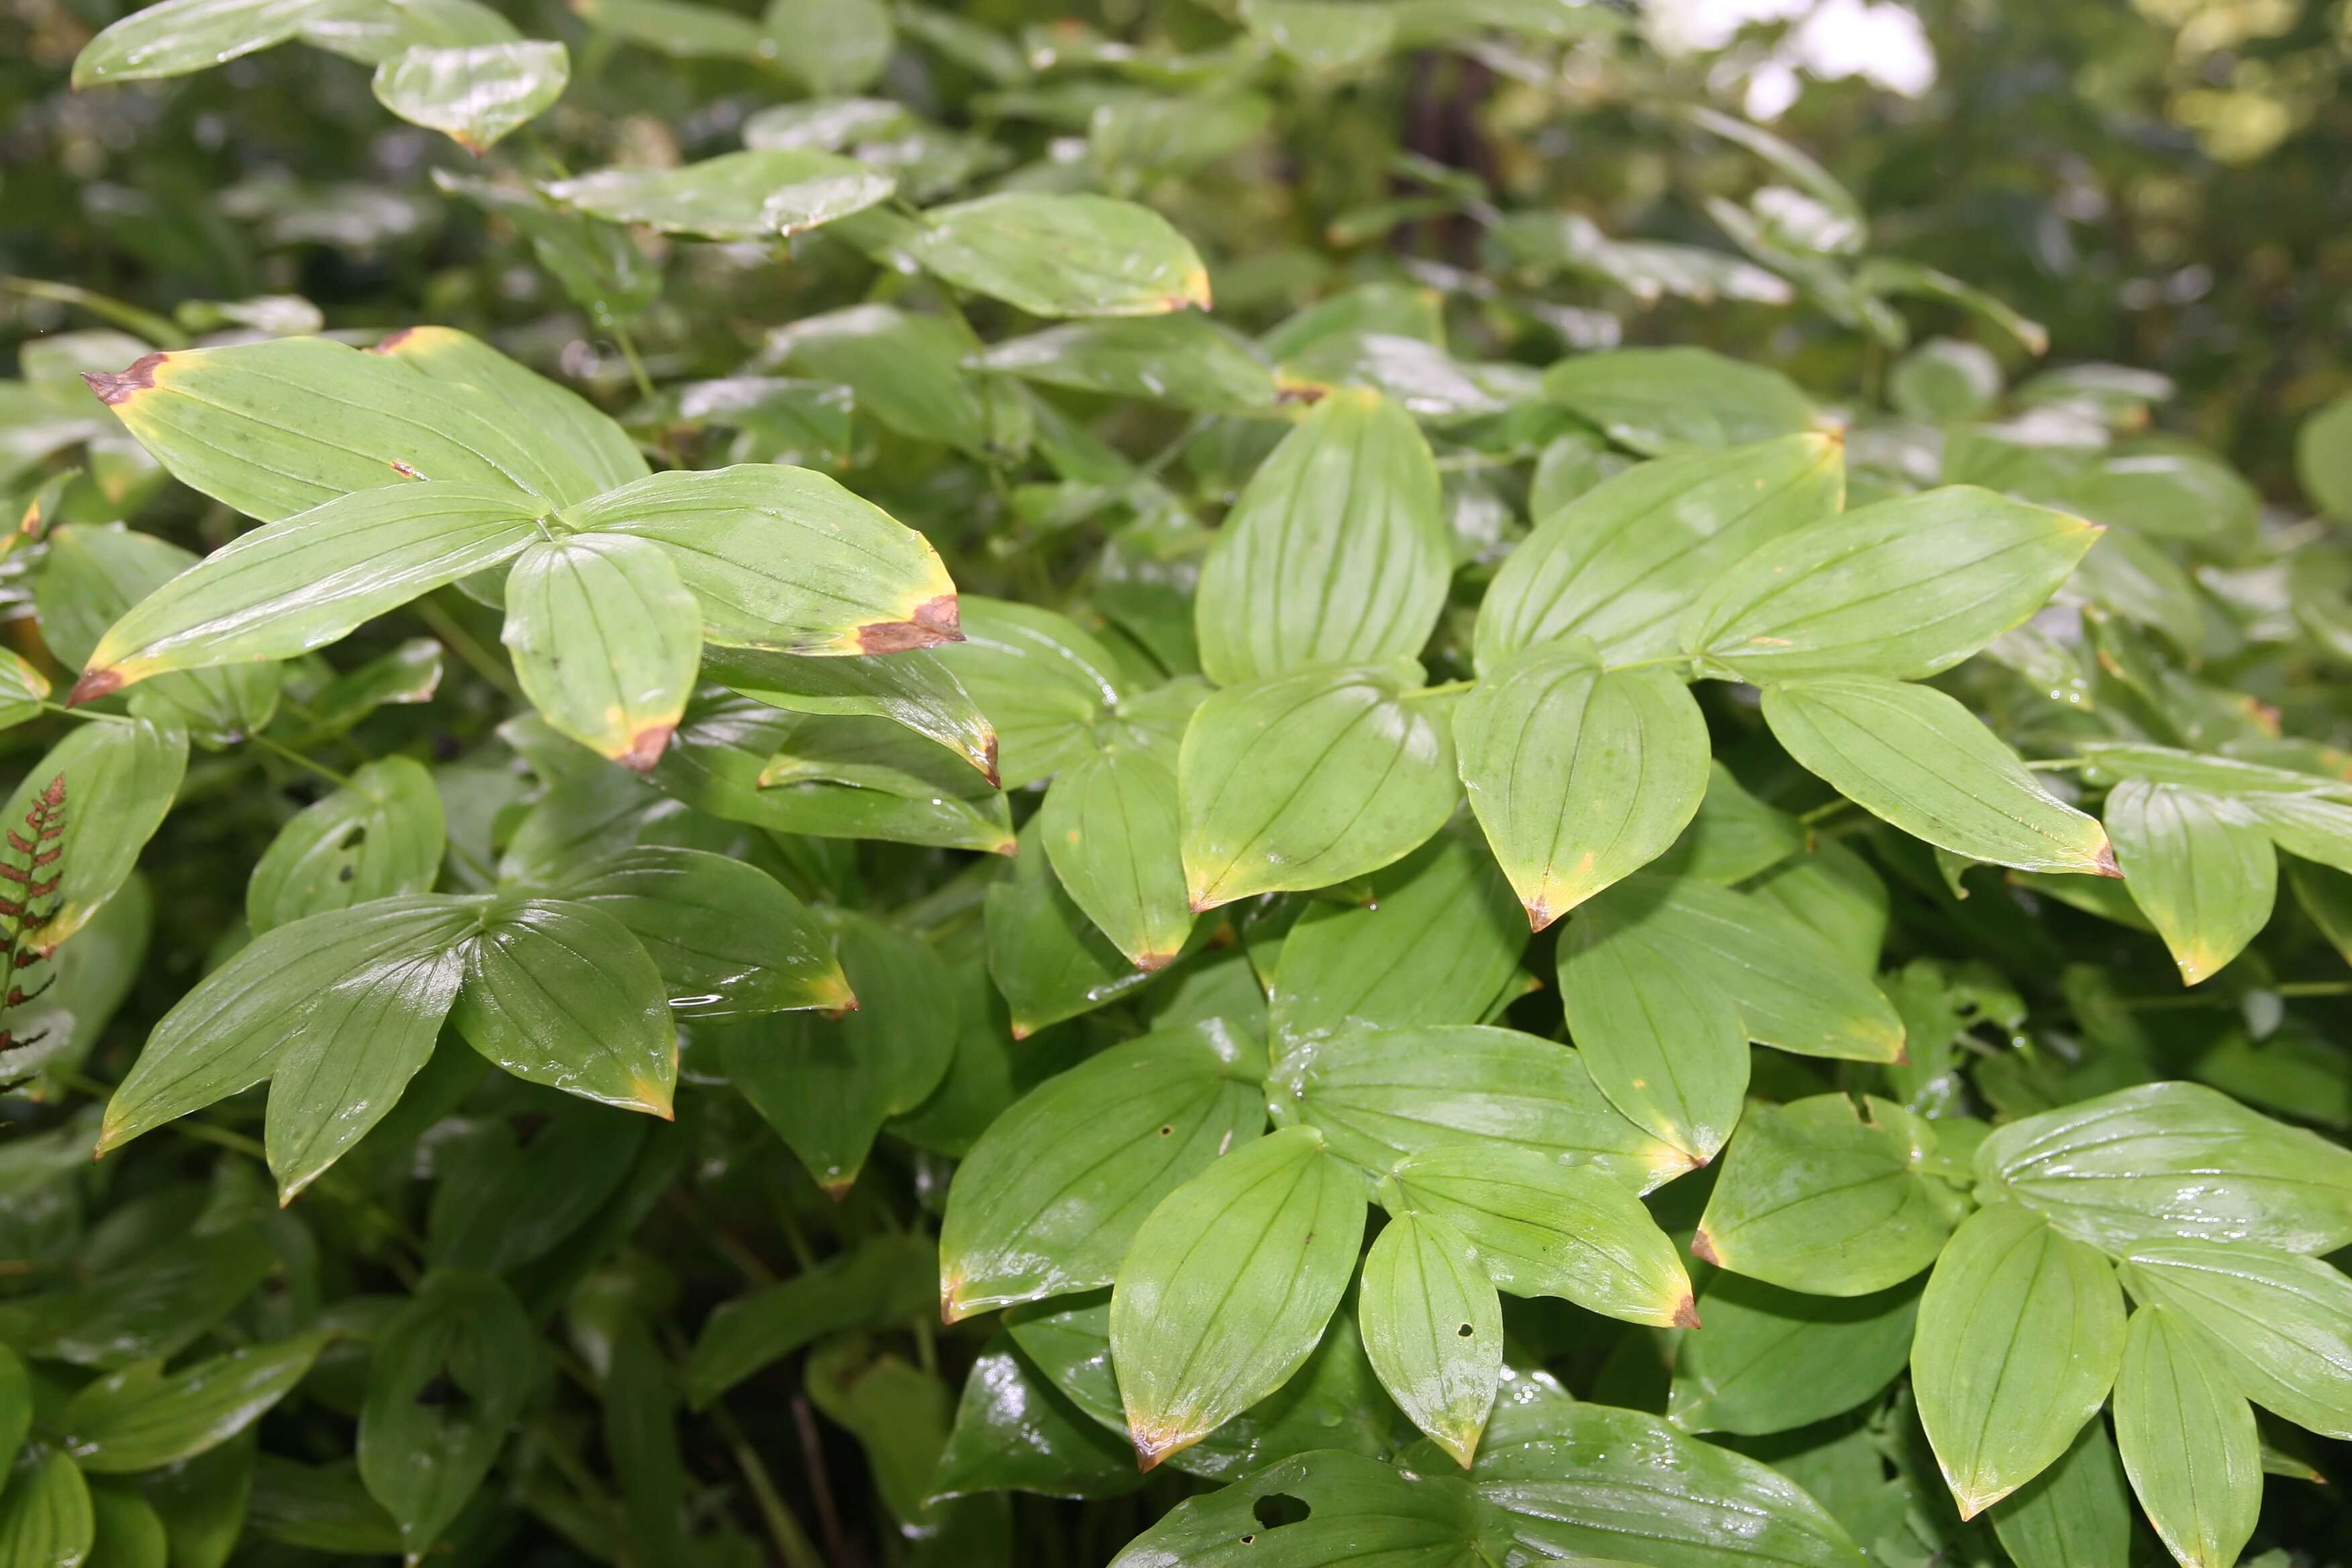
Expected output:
(380, 835)
(1770, 1360)
(130, 1422)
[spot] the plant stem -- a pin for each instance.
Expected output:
(793, 1543)
(462, 643)
(298, 760)
(637, 365)
(60, 708)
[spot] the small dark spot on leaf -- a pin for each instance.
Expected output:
(441, 1389)
(1465, 1331)
(1278, 1508)
(1166, 1132)
(346, 874)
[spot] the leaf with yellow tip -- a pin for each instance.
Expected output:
(2199, 866)
(2188, 1441)
(1110, 828)
(606, 642)
(1228, 1285)
(1062, 255)
(1579, 775)
(1432, 1326)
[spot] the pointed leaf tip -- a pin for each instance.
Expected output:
(1686, 1310)
(1703, 1247)
(93, 685)
(2106, 864)
(933, 622)
(115, 387)
(645, 749)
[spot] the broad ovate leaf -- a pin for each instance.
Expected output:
(1111, 827)
(474, 95)
(1228, 1285)
(787, 559)
(1579, 775)
(127, 1421)
(1048, 1200)
(915, 690)
(1917, 757)
(1624, 562)
(1062, 255)
(1043, 680)
(1770, 1360)
(2020, 1334)
(382, 833)
(1657, 402)
(2280, 1322)
(606, 641)
(2187, 1440)
(1902, 589)
(182, 36)
(1309, 779)
(421, 1452)
(1335, 552)
(736, 195)
(1352, 1509)
(563, 993)
(2198, 866)
(1432, 1326)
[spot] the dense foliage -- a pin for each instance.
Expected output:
(1287, 783)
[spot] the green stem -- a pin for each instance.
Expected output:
(1823, 812)
(793, 1543)
(637, 365)
(2315, 988)
(1442, 689)
(60, 708)
(130, 317)
(462, 643)
(276, 747)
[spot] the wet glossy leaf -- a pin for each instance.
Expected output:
(1326, 1507)
(2281, 1323)
(1054, 254)
(1622, 563)
(1661, 401)
(736, 195)
(1016, 1431)
(2200, 866)
(2020, 1334)
(915, 689)
(120, 780)
(1578, 777)
(1049, 1198)
(1902, 589)
(312, 579)
(476, 96)
(1436, 940)
(1333, 554)
(150, 1307)
(1043, 681)
(127, 1421)
(1186, 359)
(1545, 1228)
(1770, 1360)
(1309, 779)
(1048, 960)
(730, 941)
(1110, 828)
(1432, 1326)
(379, 835)
(827, 1085)
(561, 421)
(2173, 1160)
(1812, 1197)
(45, 1514)
(1917, 758)
(1228, 1285)
(884, 1282)
(182, 36)
(563, 993)
(787, 559)
(446, 1380)
(2187, 1441)
(606, 641)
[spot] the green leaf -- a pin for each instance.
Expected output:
(1309, 779)
(730, 941)
(1014, 1431)
(828, 1084)
(1624, 560)
(1043, 681)
(1047, 959)
(1110, 828)
(641, 1438)
(202, 1503)
(151, 1306)
(476, 96)
(787, 558)
(380, 834)
(606, 642)
(2321, 444)
(128, 1420)
(1379, 1095)
(1791, 988)
(884, 1281)
(1661, 401)
(422, 1452)
(829, 46)
(15, 1407)
(323, 1508)
(378, 969)
(1055, 254)
(736, 195)
(1833, 890)
(908, 371)
(370, 34)
(1333, 554)
(2173, 1160)
(2281, 1323)
(1735, 836)
(679, 30)
(128, 1532)
(2020, 1334)
(1902, 589)
(2305, 825)
(1051, 1195)
(2187, 1440)
(2198, 866)
(182, 36)
(1432, 1326)
(2112, 760)
(1436, 940)
(115, 783)
(915, 690)
(1814, 1198)
(1229, 1285)
(1589, 1483)
(2173, 495)
(279, 427)
(1351, 1508)
(2075, 1514)
(312, 579)
(1578, 777)
(45, 1514)
(1770, 1360)
(1545, 1228)
(1666, 1043)
(1186, 359)
(22, 689)
(1917, 757)
(558, 417)
(563, 993)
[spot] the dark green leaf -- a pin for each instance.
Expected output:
(563, 994)
(1770, 1360)
(380, 834)
(128, 1420)
(1014, 1431)
(884, 1282)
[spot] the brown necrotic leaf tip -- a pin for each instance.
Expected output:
(935, 621)
(118, 387)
